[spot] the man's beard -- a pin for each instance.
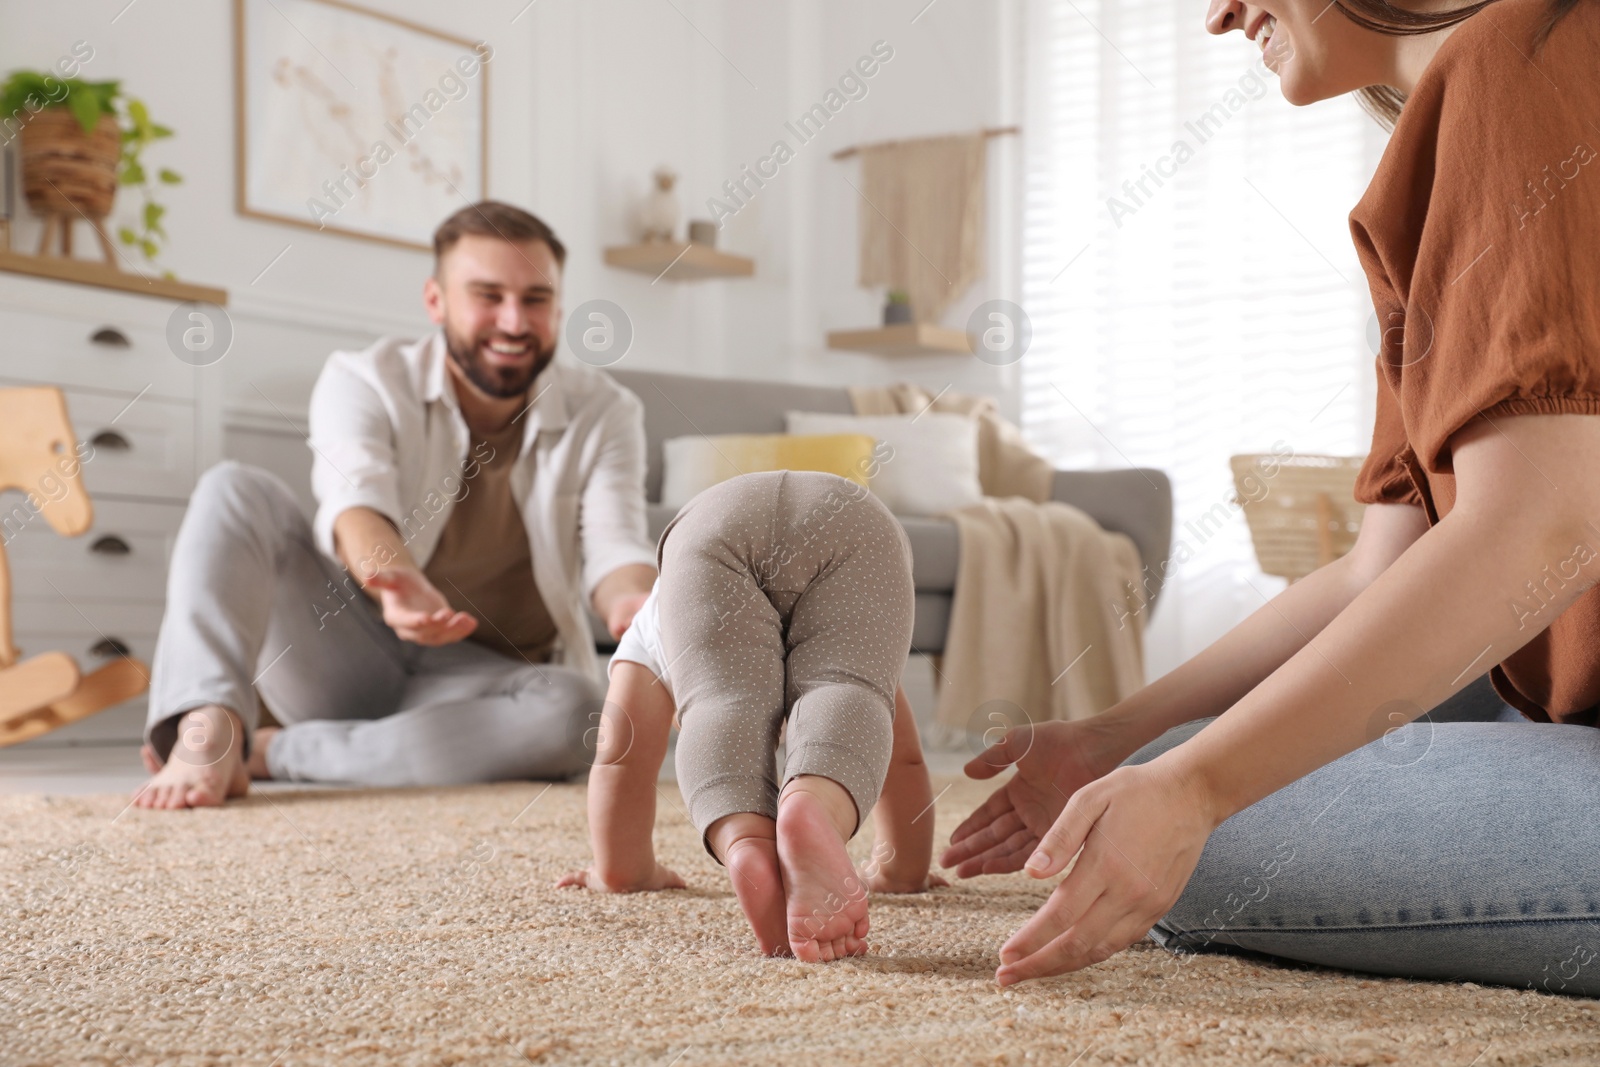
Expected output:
(500, 382)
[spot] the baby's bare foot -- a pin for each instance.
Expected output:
(746, 842)
(204, 767)
(753, 868)
(826, 900)
(256, 765)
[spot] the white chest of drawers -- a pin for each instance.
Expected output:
(150, 423)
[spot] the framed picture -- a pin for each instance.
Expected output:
(354, 122)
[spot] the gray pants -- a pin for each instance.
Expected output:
(1460, 846)
(253, 605)
(783, 595)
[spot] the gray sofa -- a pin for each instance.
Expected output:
(1136, 502)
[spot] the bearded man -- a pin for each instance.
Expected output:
(428, 626)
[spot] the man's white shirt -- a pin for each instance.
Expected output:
(387, 434)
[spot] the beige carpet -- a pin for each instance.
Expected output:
(401, 927)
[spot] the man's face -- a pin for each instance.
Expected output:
(500, 306)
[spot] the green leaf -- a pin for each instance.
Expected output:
(132, 173)
(138, 113)
(85, 107)
(170, 177)
(149, 248)
(152, 216)
(127, 236)
(107, 92)
(158, 132)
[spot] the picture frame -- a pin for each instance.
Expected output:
(355, 122)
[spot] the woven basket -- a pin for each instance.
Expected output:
(64, 170)
(1301, 516)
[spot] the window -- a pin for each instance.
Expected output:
(1188, 270)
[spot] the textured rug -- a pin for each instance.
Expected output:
(421, 927)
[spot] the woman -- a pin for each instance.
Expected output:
(1311, 818)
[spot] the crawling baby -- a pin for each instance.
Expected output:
(784, 603)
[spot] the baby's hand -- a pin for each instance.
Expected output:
(589, 878)
(882, 882)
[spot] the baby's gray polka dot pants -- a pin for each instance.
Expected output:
(783, 596)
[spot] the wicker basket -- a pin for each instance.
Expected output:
(66, 171)
(1303, 514)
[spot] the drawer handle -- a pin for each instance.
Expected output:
(108, 647)
(110, 545)
(111, 337)
(111, 439)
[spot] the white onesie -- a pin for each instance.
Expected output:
(641, 642)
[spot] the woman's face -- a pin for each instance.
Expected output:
(1314, 50)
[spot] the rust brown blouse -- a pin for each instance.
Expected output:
(1480, 238)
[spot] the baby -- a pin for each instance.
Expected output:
(785, 599)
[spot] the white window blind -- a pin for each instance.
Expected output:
(1216, 305)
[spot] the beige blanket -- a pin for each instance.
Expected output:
(1045, 621)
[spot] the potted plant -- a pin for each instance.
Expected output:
(897, 309)
(80, 140)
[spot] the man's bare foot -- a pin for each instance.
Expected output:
(204, 767)
(747, 845)
(256, 765)
(826, 901)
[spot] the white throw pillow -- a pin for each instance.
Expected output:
(930, 464)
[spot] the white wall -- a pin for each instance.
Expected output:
(587, 97)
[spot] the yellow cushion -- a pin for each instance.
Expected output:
(692, 464)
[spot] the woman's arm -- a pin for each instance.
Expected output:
(1219, 676)
(1056, 759)
(1453, 605)
(1459, 602)
(902, 822)
(635, 726)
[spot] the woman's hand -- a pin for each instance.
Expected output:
(415, 610)
(1054, 760)
(589, 878)
(1141, 829)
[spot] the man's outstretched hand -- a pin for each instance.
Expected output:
(1053, 761)
(417, 611)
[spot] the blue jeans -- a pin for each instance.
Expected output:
(1463, 846)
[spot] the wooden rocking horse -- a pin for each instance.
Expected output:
(38, 456)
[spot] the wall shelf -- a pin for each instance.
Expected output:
(903, 339)
(88, 272)
(679, 261)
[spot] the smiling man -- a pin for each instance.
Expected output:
(428, 627)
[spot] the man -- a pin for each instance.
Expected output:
(476, 492)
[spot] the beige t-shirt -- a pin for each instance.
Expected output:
(483, 564)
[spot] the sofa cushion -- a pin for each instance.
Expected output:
(697, 462)
(678, 404)
(927, 464)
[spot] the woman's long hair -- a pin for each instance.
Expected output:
(1383, 102)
